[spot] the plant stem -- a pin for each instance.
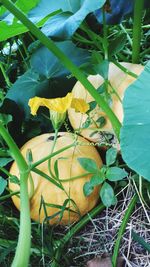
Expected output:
(5, 75)
(9, 195)
(52, 150)
(24, 241)
(34, 165)
(125, 70)
(76, 228)
(105, 39)
(66, 62)
(137, 28)
(122, 229)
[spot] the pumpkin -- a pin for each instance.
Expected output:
(119, 81)
(68, 166)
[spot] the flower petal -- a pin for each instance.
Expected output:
(60, 104)
(34, 103)
(79, 105)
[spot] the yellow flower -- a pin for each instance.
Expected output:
(58, 107)
(60, 104)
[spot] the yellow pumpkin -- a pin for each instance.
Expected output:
(119, 81)
(68, 166)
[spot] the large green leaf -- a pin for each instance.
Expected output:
(45, 7)
(30, 85)
(135, 133)
(25, 5)
(45, 63)
(64, 25)
(10, 27)
(27, 86)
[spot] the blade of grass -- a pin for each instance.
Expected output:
(122, 229)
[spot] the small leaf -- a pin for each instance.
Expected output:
(101, 122)
(96, 179)
(111, 155)
(88, 164)
(102, 69)
(115, 174)
(3, 184)
(107, 194)
(87, 189)
(5, 118)
(140, 240)
(117, 44)
(56, 170)
(87, 123)
(5, 161)
(14, 179)
(29, 156)
(92, 105)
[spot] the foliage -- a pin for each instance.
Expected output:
(28, 69)
(100, 176)
(135, 138)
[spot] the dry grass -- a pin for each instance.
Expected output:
(99, 235)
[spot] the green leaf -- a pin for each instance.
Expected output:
(3, 184)
(5, 118)
(92, 105)
(117, 45)
(88, 164)
(107, 194)
(14, 179)
(87, 189)
(115, 174)
(25, 5)
(47, 64)
(26, 87)
(102, 68)
(64, 25)
(140, 240)
(44, 8)
(96, 179)
(56, 170)
(10, 27)
(87, 123)
(5, 161)
(30, 84)
(111, 155)
(101, 121)
(135, 133)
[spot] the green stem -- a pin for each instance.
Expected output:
(9, 195)
(5, 171)
(105, 39)
(122, 229)
(67, 63)
(132, 74)
(52, 150)
(5, 75)
(24, 241)
(34, 165)
(76, 228)
(137, 29)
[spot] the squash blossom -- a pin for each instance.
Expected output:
(58, 107)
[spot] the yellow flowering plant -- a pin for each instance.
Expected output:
(58, 107)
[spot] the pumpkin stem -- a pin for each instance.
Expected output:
(24, 241)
